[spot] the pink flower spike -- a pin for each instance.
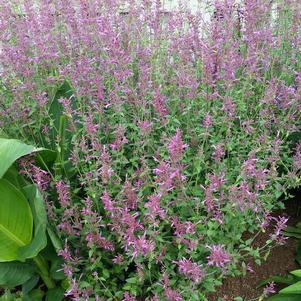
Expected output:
(218, 257)
(176, 146)
(190, 269)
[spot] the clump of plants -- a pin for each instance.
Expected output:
(170, 136)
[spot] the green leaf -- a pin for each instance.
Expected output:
(10, 151)
(46, 158)
(292, 289)
(278, 279)
(132, 280)
(30, 284)
(60, 131)
(56, 270)
(39, 240)
(296, 273)
(56, 109)
(55, 294)
(12, 175)
(290, 229)
(291, 234)
(284, 298)
(15, 273)
(7, 296)
(298, 252)
(16, 221)
(57, 244)
(36, 295)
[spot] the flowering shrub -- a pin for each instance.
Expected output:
(174, 135)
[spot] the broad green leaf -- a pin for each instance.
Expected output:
(46, 157)
(39, 240)
(30, 284)
(292, 289)
(290, 229)
(56, 270)
(287, 279)
(293, 234)
(7, 296)
(16, 221)
(238, 299)
(12, 175)
(56, 109)
(15, 273)
(296, 273)
(298, 251)
(10, 151)
(36, 295)
(55, 294)
(60, 130)
(57, 244)
(279, 297)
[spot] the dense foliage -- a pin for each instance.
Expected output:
(174, 134)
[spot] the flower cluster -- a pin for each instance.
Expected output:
(170, 134)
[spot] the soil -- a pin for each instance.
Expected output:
(280, 262)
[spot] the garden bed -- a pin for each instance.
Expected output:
(280, 262)
(138, 147)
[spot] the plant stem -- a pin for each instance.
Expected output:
(43, 271)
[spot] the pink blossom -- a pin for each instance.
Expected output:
(119, 259)
(107, 202)
(172, 295)
(190, 269)
(99, 241)
(145, 127)
(281, 224)
(269, 289)
(160, 104)
(63, 193)
(207, 122)
(142, 246)
(176, 146)
(219, 152)
(128, 297)
(218, 256)
(154, 208)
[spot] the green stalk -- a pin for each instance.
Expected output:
(60, 168)
(43, 271)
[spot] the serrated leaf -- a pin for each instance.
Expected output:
(16, 221)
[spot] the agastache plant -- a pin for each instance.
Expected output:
(172, 133)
